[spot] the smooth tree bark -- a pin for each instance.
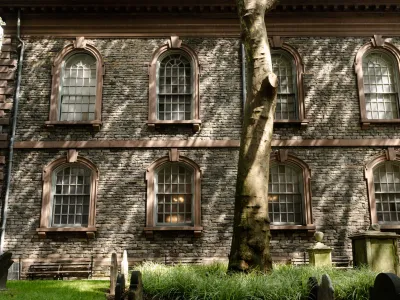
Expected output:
(251, 232)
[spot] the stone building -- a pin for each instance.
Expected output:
(128, 121)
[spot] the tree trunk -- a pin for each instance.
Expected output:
(251, 232)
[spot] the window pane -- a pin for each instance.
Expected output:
(285, 200)
(380, 88)
(64, 197)
(78, 86)
(283, 67)
(174, 91)
(174, 188)
(387, 194)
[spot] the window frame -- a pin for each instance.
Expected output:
(277, 46)
(376, 45)
(47, 195)
(80, 45)
(389, 155)
(151, 222)
(281, 157)
(174, 45)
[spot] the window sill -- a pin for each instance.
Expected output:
(310, 228)
(389, 227)
(90, 231)
(95, 123)
(196, 124)
(301, 123)
(196, 229)
(365, 123)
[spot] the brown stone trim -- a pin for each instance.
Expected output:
(174, 43)
(279, 46)
(306, 174)
(150, 205)
(200, 143)
(45, 217)
(80, 45)
(293, 227)
(377, 43)
(369, 178)
(127, 144)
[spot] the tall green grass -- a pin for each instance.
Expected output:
(190, 282)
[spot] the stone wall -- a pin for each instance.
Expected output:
(339, 192)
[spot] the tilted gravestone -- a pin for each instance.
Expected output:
(136, 286)
(324, 291)
(113, 273)
(5, 264)
(386, 286)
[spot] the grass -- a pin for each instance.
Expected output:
(188, 282)
(55, 290)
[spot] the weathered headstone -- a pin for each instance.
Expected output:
(325, 290)
(319, 253)
(136, 286)
(313, 286)
(125, 267)
(113, 272)
(120, 287)
(5, 264)
(386, 286)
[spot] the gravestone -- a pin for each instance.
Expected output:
(386, 286)
(324, 291)
(113, 272)
(136, 286)
(120, 287)
(5, 264)
(124, 266)
(320, 254)
(313, 286)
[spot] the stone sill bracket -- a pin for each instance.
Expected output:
(149, 231)
(90, 232)
(196, 124)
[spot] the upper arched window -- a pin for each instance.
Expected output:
(288, 66)
(69, 195)
(77, 85)
(286, 104)
(383, 180)
(173, 195)
(174, 86)
(289, 193)
(377, 68)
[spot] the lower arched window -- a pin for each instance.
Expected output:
(173, 195)
(69, 196)
(289, 192)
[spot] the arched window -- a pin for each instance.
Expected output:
(383, 181)
(77, 86)
(377, 68)
(284, 68)
(174, 86)
(288, 66)
(289, 193)
(173, 195)
(69, 196)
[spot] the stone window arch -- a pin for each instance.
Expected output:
(382, 175)
(69, 196)
(289, 192)
(77, 85)
(174, 86)
(377, 68)
(173, 195)
(288, 66)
